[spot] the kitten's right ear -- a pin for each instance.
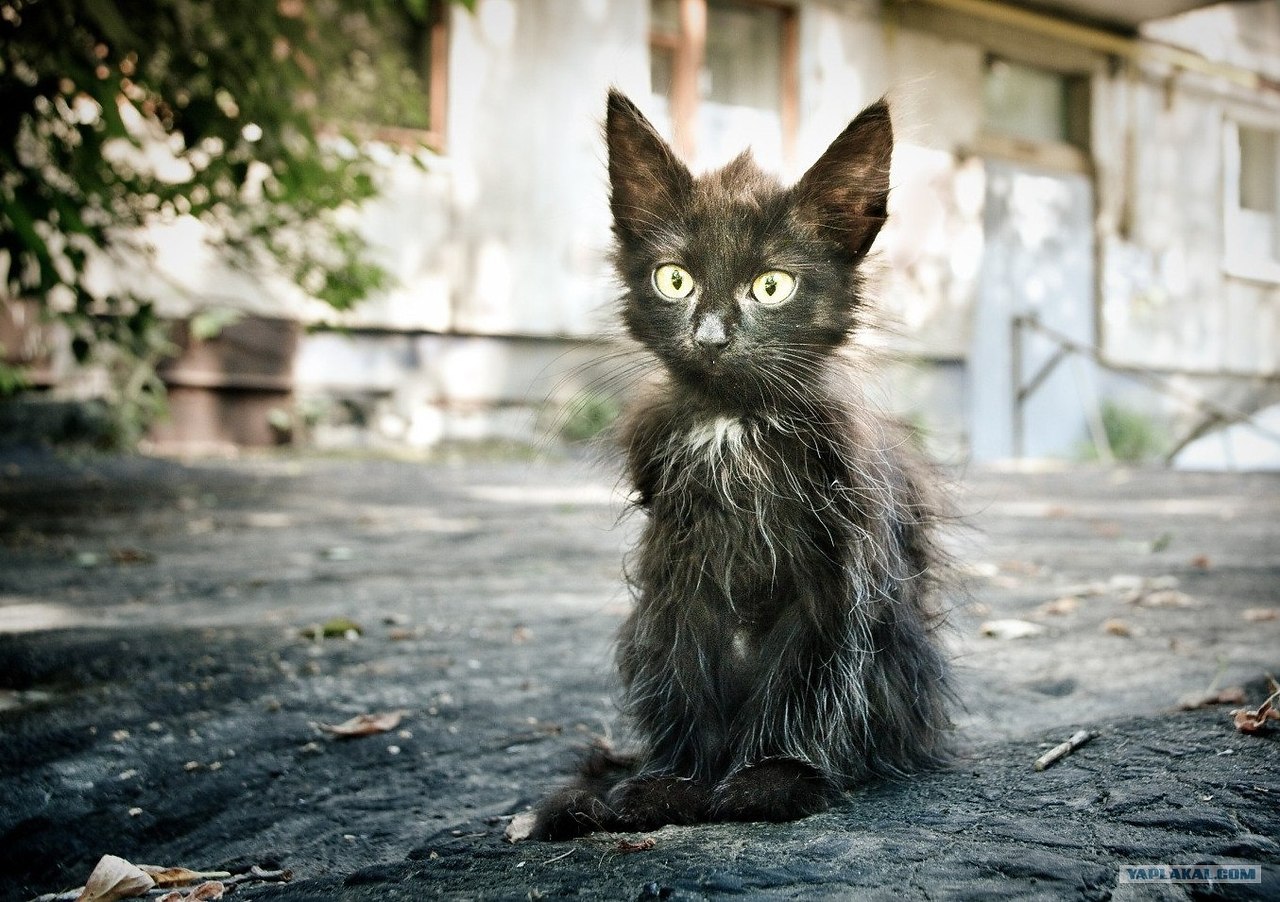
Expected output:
(648, 184)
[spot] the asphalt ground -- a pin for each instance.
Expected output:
(163, 690)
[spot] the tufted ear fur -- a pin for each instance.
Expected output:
(647, 182)
(844, 195)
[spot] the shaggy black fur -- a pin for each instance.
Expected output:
(782, 645)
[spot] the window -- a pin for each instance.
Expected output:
(388, 72)
(723, 76)
(1252, 195)
(1036, 104)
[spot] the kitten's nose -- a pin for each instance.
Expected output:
(710, 334)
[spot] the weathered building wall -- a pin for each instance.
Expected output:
(499, 247)
(1168, 293)
(500, 250)
(1169, 297)
(506, 237)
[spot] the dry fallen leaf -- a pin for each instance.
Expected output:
(1117, 627)
(1254, 720)
(131, 556)
(1259, 615)
(643, 845)
(521, 826)
(1010, 629)
(1249, 720)
(365, 725)
(169, 876)
(1059, 606)
(203, 893)
(1202, 562)
(1231, 696)
(114, 878)
(178, 876)
(1163, 598)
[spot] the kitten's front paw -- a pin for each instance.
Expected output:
(649, 802)
(570, 813)
(776, 789)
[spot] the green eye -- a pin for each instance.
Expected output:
(773, 287)
(673, 282)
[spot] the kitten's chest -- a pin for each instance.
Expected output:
(734, 464)
(741, 496)
(736, 521)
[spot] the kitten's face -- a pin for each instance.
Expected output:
(739, 285)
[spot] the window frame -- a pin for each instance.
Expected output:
(1238, 221)
(434, 136)
(1071, 154)
(688, 49)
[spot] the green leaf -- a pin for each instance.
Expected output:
(112, 22)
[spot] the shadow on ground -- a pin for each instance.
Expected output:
(159, 700)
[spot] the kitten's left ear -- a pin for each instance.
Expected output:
(845, 194)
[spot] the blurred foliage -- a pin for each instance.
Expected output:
(13, 379)
(384, 61)
(588, 415)
(1134, 437)
(119, 114)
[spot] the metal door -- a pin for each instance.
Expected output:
(1038, 261)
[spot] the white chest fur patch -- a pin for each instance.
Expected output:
(723, 435)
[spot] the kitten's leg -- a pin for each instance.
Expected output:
(775, 789)
(650, 801)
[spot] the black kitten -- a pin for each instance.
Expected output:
(781, 647)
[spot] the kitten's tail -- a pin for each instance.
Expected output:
(580, 807)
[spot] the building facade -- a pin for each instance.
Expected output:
(1086, 207)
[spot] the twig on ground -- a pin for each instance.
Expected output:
(1051, 757)
(283, 875)
(560, 856)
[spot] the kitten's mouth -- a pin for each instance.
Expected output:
(718, 372)
(712, 363)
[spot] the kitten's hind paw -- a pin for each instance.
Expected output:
(776, 789)
(652, 801)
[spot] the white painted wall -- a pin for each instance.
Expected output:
(1168, 298)
(528, 81)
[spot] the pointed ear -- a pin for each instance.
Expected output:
(845, 194)
(648, 184)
